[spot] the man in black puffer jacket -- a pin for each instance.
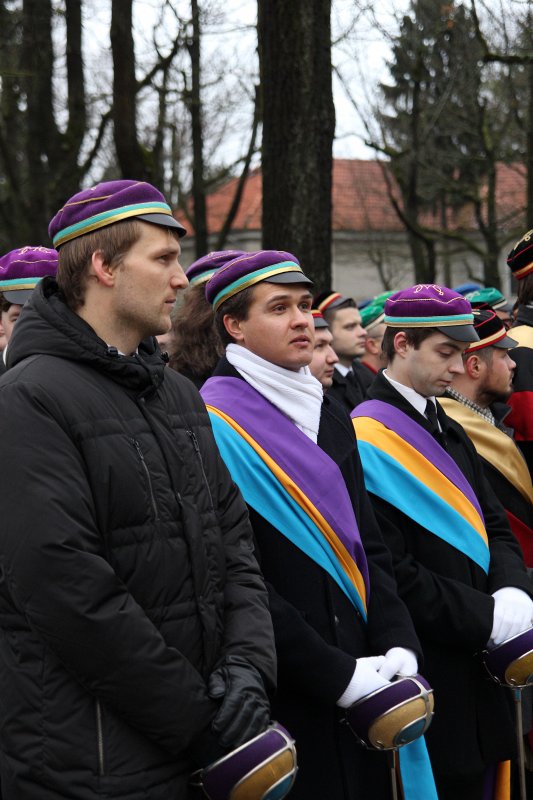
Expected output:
(136, 642)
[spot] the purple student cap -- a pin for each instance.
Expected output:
(109, 202)
(22, 269)
(205, 267)
(272, 266)
(432, 306)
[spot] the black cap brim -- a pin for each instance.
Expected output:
(460, 333)
(506, 343)
(17, 297)
(289, 277)
(506, 306)
(165, 220)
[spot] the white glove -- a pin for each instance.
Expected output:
(399, 661)
(366, 679)
(513, 613)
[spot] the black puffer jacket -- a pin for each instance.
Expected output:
(126, 567)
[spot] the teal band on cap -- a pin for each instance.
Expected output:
(19, 283)
(202, 277)
(429, 322)
(107, 218)
(254, 277)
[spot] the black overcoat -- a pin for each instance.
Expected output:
(349, 390)
(319, 635)
(126, 567)
(521, 400)
(449, 597)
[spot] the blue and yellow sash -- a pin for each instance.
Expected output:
(404, 465)
(291, 482)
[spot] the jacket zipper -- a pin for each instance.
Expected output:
(200, 459)
(100, 739)
(140, 453)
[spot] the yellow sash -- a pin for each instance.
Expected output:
(493, 445)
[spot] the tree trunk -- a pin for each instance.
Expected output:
(491, 272)
(130, 155)
(195, 108)
(529, 148)
(41, 131)
(298, 130)
(68, 169)
(237, 197)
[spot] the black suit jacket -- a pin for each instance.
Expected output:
(319, 635)
(351, 390)
(449, 597)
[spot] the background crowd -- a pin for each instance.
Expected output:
(347, 503)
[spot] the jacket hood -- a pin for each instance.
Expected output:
(47, 326)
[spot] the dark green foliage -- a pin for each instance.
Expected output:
(446, 128)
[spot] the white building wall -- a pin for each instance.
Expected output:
(365, 264)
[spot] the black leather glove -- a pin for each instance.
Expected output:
(244, 711)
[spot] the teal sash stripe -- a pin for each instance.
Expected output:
(266, 495)
(417, 775)
(263, 492)
(388, 479)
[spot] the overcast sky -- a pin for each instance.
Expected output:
(361, 58)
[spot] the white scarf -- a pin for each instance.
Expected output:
(298, 395)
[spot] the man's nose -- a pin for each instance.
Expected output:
(179, 280)
(457, 366)
(301, 318)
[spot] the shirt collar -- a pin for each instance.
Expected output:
(416, 400)
(342, 369)
(486, 413)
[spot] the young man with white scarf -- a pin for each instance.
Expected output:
(341, 630)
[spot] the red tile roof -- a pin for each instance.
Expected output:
(361, 201)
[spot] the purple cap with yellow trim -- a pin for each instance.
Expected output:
(491, 331)
(272, 266)
(22, 269)
(205, 267)
(432, 306)
(520, 259)
(109, 202)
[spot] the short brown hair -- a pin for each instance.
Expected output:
(525, 290)
(75, 256)
(237, 306)
(414, 337)
(329, 314)
(4, 304)
(196, 346)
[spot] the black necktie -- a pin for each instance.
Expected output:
(431, 414)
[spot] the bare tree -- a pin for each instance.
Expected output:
(298, 129)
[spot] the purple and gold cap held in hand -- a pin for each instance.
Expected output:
(22, 269)
(205, 267)
(109, 202)
(432, 306)
(272, 266)
(264, 768)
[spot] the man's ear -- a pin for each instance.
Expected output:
(103, 272)
(473, 366)
(233, 327)
(372, 346)
(401, 345)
